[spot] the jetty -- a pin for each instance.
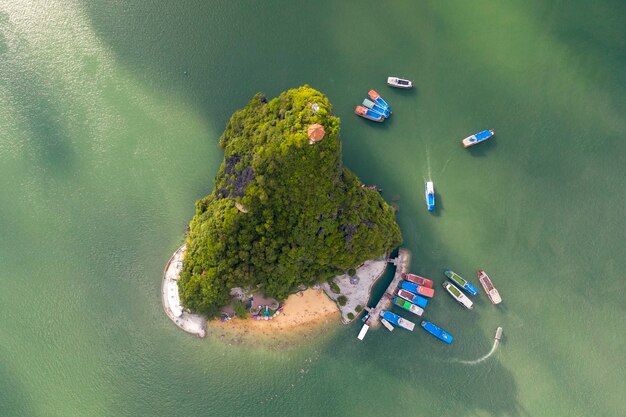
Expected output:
(401, 262)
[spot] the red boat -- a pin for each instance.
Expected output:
(416, 279)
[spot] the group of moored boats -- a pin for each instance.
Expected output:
(413, 294)
(375, 108)
(414, 291)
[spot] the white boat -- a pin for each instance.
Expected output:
(387, 324)
(498, 333)
(430, 196)
(399, 82)
(458, 295)
(363, 332)
(492, 293)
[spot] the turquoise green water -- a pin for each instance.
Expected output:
(110, 113)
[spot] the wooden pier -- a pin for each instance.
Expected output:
(402, 265)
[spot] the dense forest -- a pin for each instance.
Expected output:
(284, 212)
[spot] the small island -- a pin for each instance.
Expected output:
(285, 214)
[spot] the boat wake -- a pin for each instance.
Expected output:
(428, 166)
(483, 358)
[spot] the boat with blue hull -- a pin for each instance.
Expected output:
(418, 289)
(368, 114)
(407, 305)
(461, 282)
(379, 100)
(430, 196)
(397, 320)
(439, 333)
(477, 138)
(417, 300)
(373, 106)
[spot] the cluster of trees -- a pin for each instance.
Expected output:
(284, 212)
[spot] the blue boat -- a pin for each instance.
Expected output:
(417, 300)
(477, 138)
(368, 114)
(430, 196)
(437, 332)
(397, 320)
(377, 108)
(379, 100)
(461, 282)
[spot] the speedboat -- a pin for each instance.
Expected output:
(430, 196)
(477, 138)
(368, 114)
(439, 333)
(399, 82)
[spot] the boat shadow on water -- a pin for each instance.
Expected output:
(483, 149)
(401, 92)
(384, 125)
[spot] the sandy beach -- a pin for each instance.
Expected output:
(304, 313)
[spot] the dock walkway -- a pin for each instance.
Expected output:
(402, 265)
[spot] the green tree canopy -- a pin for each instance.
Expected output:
(284, 211)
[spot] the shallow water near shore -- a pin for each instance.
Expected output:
(110, 114)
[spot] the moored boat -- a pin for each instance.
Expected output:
(461, 282)
(458, 295)
(492, 293)
(368, 114)
(416, 279)
(430, 196)
(379, 100)
(439, 333)
(397, 320)
(373, 106)
(399, 82)
(407, 305)
(363, 332)
(418, 289)
(411, 296)
(477, 138)
(387, 325)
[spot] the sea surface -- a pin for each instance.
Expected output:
(110, 115)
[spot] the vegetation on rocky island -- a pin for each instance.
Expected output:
(284, 212)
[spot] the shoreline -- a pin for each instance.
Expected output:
(303, 313)
(191, 323)
(357, 294)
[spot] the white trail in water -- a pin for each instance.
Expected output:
(428, 166)
(483, 358)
